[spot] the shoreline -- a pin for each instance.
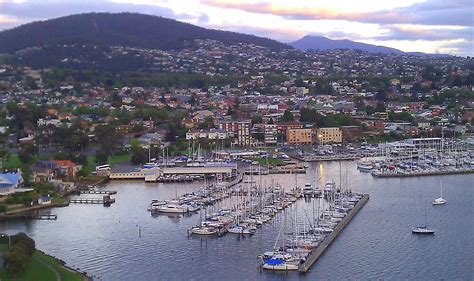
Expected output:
(83, 274)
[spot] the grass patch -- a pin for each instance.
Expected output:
(113, 159)
(35, 270)
(117, 159)
(12, 162)
(66, 274)
(271, 161)
(58, 199)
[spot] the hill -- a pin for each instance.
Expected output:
(322, 43)
(125, 29)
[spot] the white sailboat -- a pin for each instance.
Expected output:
(423, 229)
(440, 200)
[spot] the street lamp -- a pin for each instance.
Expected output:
(9, 239)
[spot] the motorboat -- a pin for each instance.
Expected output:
(203, 230)
(172, 208)
(423, 230)
(239, 229)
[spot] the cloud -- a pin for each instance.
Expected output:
(429, 34)
(203, 18)
(433, 12)
(9, 22)
(277, 33)
(462, 47)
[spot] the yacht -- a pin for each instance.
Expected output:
(203, 230)
(364, 165)
(172, 208)
(308, 189)
(423, 230)
(281, 261)
(239, 229)
(440, 200)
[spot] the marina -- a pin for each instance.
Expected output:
(388, 217)
(419, 157)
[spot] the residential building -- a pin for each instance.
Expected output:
(270, 134)
(244, 137)
(299, 136)
(351, 133)
(329, 135)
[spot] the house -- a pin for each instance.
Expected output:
(201, 115)
(66, 169)
(44, 199)
(43, 171)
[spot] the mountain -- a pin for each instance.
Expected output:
(322, 43)
(125, 29)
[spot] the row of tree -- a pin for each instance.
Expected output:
(20, 253)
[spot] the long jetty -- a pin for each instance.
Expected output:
(421, 174)
(315, 255)
(319, 158)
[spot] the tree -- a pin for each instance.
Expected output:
(257, 119)
(380, 107)
(109, 139)
(287, 116)
(139, 156)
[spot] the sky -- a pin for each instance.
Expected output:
(430, 26)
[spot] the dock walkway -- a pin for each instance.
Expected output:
(316, 254)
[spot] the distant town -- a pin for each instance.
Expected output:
(232, 96)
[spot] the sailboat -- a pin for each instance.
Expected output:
(423, 229)
(440, 200)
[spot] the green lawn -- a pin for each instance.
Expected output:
(117, 159)
(66, 274)
(35, 270)
(12, 162)
(263, 161)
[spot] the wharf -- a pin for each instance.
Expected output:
(92, 200)
(421, 174)
(316, 254)
(275, 171)
(106, 192)
(32, 216)
(316, 158)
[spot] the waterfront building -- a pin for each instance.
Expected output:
(351, 133)
(299, 136)
(329, 135)
(425, 143)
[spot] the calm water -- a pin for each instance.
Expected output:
(377, 244)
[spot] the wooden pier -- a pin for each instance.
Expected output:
(45, 217)
(104, 201)
(316, 254)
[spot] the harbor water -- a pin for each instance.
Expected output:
(124, 242)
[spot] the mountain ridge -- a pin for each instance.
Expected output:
(127, 29)
(311, 42)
